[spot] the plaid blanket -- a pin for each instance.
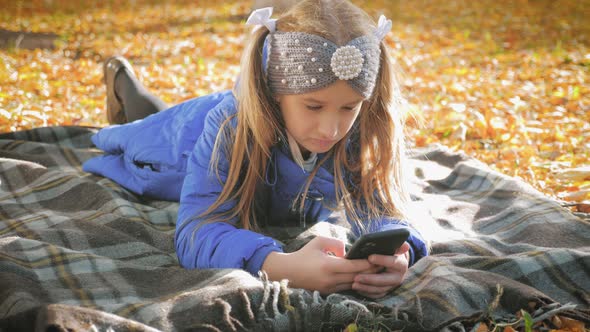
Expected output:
(79, 252)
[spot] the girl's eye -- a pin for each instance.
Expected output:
(351, 109)
(313, 108)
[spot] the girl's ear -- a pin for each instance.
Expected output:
(278, 98)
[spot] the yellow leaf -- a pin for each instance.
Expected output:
(574, 174)
(351, 328)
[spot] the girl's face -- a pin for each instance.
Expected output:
(319, 119)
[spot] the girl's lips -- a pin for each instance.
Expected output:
(324, 144)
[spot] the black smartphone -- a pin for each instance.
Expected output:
(381, 243)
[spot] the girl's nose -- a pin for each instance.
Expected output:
(328, 128)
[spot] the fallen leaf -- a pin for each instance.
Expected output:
(574, 174)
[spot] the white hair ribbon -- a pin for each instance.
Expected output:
(262, 17)
(383, 27)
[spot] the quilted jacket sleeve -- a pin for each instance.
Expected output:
(218, 244)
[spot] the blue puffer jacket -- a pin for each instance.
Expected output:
(167, 156)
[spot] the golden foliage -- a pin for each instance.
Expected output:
(504, 81)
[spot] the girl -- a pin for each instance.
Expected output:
(312, 126)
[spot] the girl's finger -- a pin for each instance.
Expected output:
(405, 247)
(394, 262)
(386, 279)
(375, 269)
(370, 289)
(341, 278)
(330, 245)
(343, 265)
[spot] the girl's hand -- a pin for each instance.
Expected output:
(394, 268)
(320, 265)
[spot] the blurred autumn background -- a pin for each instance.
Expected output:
(504, 81)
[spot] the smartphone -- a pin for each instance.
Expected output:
(381, 243)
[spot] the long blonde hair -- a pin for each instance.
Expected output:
(377, 163)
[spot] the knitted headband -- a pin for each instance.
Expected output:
(299, 62)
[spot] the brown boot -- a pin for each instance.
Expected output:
(112, 65)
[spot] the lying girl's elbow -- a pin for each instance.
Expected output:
(183, 253)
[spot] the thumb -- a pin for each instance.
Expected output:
(404, 248)
(331, 245)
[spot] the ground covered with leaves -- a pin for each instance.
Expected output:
(504, 81)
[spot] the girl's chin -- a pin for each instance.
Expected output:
(318, 146)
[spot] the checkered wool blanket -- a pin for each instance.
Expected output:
(77, 252)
